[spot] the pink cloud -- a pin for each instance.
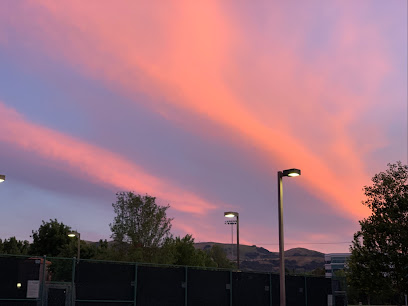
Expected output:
(93, 163)
(183, 52)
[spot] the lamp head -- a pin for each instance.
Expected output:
(2, 178)
(72, 234)
(230, 214)
(291, 172)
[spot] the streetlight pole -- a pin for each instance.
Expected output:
(281, 174)
(231, 214)
(281, 243)
(232, 222)
(78, 235)
(237, 241)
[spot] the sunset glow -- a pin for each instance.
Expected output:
(200, 103)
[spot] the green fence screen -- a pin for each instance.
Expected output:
(47, 281)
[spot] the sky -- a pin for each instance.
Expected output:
(200, 104)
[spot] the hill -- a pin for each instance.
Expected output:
(253, 258)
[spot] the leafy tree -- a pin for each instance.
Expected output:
(219, 256)
(102, 250)
(14, 246)
(379, 260)
(206, 259)
(88, 250)
(186, 254)
(140, 227)
(140, 221)
(50, 239)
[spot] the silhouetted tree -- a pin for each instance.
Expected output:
(140, 227)
(379, 260)
(14, 246)
(219, 256)
(184, 253)
(50, 239)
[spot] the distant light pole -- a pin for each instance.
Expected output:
(78, 235)
(2, 178)
(232, 222)
(232, 214)
(281, 174)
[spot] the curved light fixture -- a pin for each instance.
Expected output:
(291, 172)
(2, 178)
(72, 234)
(230, 214)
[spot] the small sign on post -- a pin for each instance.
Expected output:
(33, 289)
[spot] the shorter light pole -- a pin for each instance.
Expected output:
(2, 178)
(232, 214)
(78, 235)
(232, 222)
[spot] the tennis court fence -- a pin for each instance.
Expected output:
(49, 281)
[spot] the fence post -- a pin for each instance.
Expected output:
(135, 286)
(43, 293)
(270, 289)
(73, 282)
(305, 290)
(230, 287)
(185, 289)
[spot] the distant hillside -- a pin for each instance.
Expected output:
(253, 258)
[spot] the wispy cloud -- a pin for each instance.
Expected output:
(298, 111)
(95, 164)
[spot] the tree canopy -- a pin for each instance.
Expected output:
(141, 230)
(14, 246)
(141, 233)
(379, 261)
(140, 221)
(50, 239)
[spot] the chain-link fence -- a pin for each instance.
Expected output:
(65, 282)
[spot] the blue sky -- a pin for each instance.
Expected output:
(200, 104)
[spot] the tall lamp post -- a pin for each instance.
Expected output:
(232, 214)
(78, 235)
(281, 174)
(2, 178)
